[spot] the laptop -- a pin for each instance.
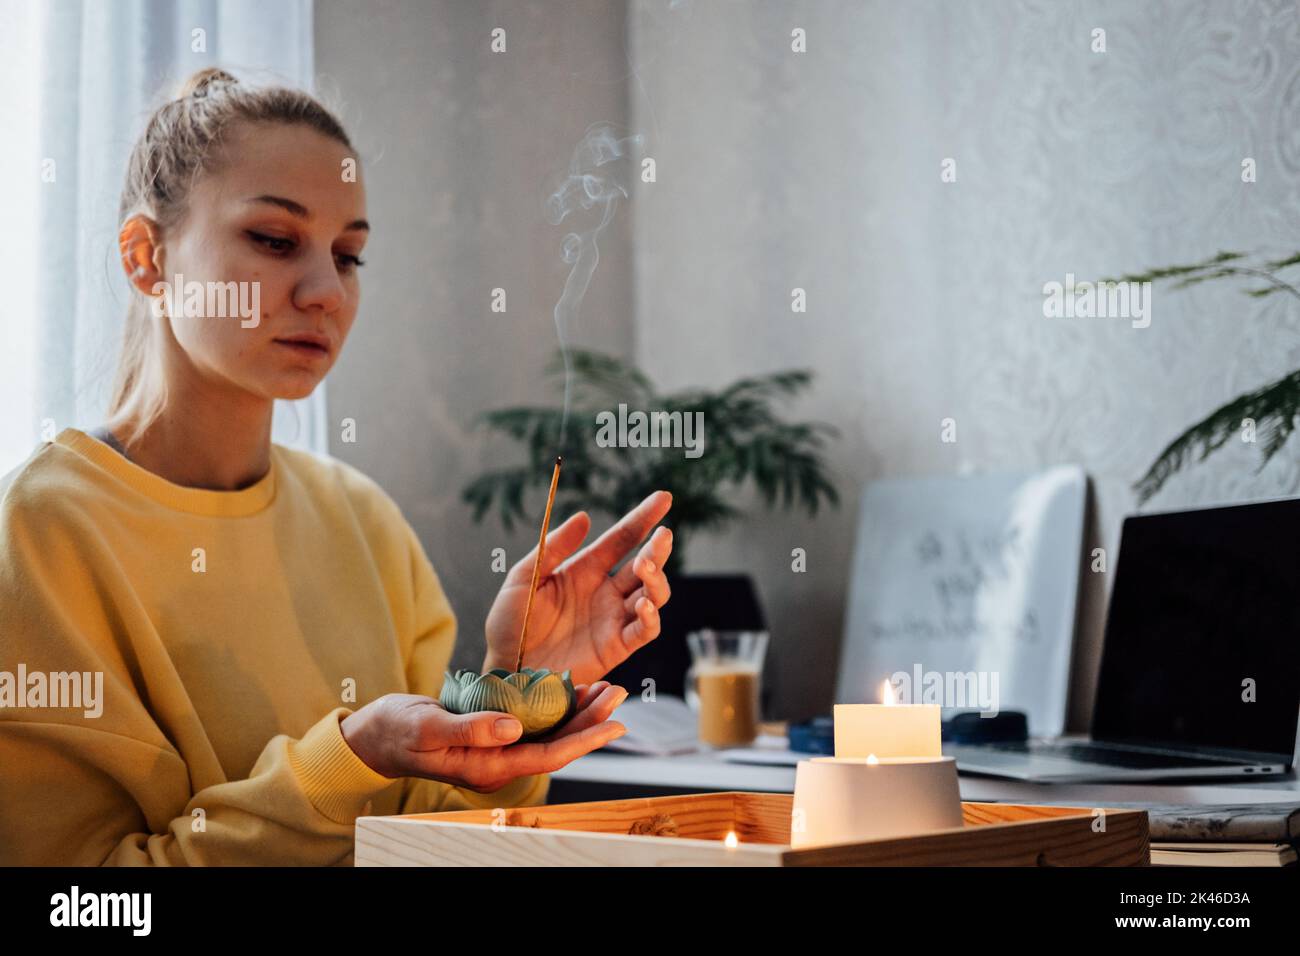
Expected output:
(1200, 668)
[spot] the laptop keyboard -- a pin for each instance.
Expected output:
(1111, 757)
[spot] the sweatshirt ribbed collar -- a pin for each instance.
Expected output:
(202, 501)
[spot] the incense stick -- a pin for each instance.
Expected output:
(537, 562)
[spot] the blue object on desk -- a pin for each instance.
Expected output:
(817, 736)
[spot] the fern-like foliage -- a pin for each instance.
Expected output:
(744, 441)
(1275, 408)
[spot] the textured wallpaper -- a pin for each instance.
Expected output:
(823, 171)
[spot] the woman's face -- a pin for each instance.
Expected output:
(282, 214)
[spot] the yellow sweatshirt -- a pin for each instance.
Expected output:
(228, 632)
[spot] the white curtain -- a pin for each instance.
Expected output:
(82, 79)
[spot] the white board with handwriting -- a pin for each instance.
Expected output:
(968, 585)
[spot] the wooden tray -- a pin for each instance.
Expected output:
(597, 834)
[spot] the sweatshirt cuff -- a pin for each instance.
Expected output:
(335, 779)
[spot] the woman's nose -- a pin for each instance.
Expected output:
(320, 287)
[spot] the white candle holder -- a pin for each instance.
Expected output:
(853, 799)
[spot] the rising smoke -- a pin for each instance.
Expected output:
(599, 175)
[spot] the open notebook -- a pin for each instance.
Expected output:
(657, 728)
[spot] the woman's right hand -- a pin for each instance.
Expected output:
(407, 735)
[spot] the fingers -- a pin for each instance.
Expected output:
(610, 548)
(647, 568)
(654, 586)
(490, 769)
(645, 628)
(586, 694)
(561, 543)
(600, 709)
(467, 750)
(545, 756)
(440, 728)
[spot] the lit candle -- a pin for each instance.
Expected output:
(888, 777)
(888, 729)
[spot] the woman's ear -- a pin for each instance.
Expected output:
(139, 244)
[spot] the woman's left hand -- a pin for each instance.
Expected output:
(584, 619)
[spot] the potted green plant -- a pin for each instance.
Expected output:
(745, 443)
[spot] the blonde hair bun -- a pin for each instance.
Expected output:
(200, 83)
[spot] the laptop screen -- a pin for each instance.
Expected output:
(1204, 601)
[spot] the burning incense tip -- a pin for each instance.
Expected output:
(537, 562)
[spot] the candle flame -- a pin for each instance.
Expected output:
(731, 841)
(887, 694)
(871, 760)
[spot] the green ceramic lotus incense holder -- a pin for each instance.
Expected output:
(541, 699)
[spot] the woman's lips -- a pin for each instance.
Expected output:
(309, 349)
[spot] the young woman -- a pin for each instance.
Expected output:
(217, 650)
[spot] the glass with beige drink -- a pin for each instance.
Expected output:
(723, 684)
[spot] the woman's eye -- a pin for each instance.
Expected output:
(280, 245)
(274, 243)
